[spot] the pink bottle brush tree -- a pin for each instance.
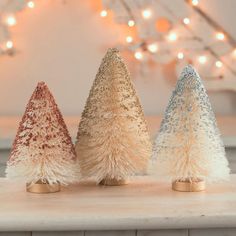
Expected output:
(42, 152)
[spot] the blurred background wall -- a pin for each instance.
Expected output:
(63, 42)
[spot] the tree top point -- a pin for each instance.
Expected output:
(189, 72)
(41, 91)
(189, 69)
(112, 50)
(41, 84)
(189, 78)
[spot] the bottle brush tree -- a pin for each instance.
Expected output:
(42, 153)
(113, 141)
(188, 148)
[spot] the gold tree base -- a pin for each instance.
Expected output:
(187, 186)
(40, 187)
(113, 182)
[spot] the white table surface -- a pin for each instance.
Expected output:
(143, 204)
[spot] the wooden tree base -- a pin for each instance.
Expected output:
(187, 186)
(113, 182)
(40, 187)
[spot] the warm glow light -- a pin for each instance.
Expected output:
(220, 36)
(138, 55)
(219, 64)
(11, 20)
(129, 39)
(153, 47)
(146, 13)
(186, 21)
(30, 4)
(103, 13)
(172, 37)
(180, 55)
(195, 2)
(131, 23)
(202, 59)
(234, 53)
(9, 44)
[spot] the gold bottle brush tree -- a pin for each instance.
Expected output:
(112, 141)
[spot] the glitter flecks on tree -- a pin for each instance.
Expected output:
(188, 147)
(42, 150)
(112, 142)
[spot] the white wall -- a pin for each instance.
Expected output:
(63, 45)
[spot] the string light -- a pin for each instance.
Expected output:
(220, 36)
(172, 37)
(30, 4)
(9, 44)
(186, 21)
(138, 55)
(153, 47)
(202, 59)
(131, 23)
(219, 64)
(11, 20)
(195, 2)
(180, 55)
(103, 13)
(146, 13)
(129, 39)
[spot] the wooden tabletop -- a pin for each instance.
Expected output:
(145, 203)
